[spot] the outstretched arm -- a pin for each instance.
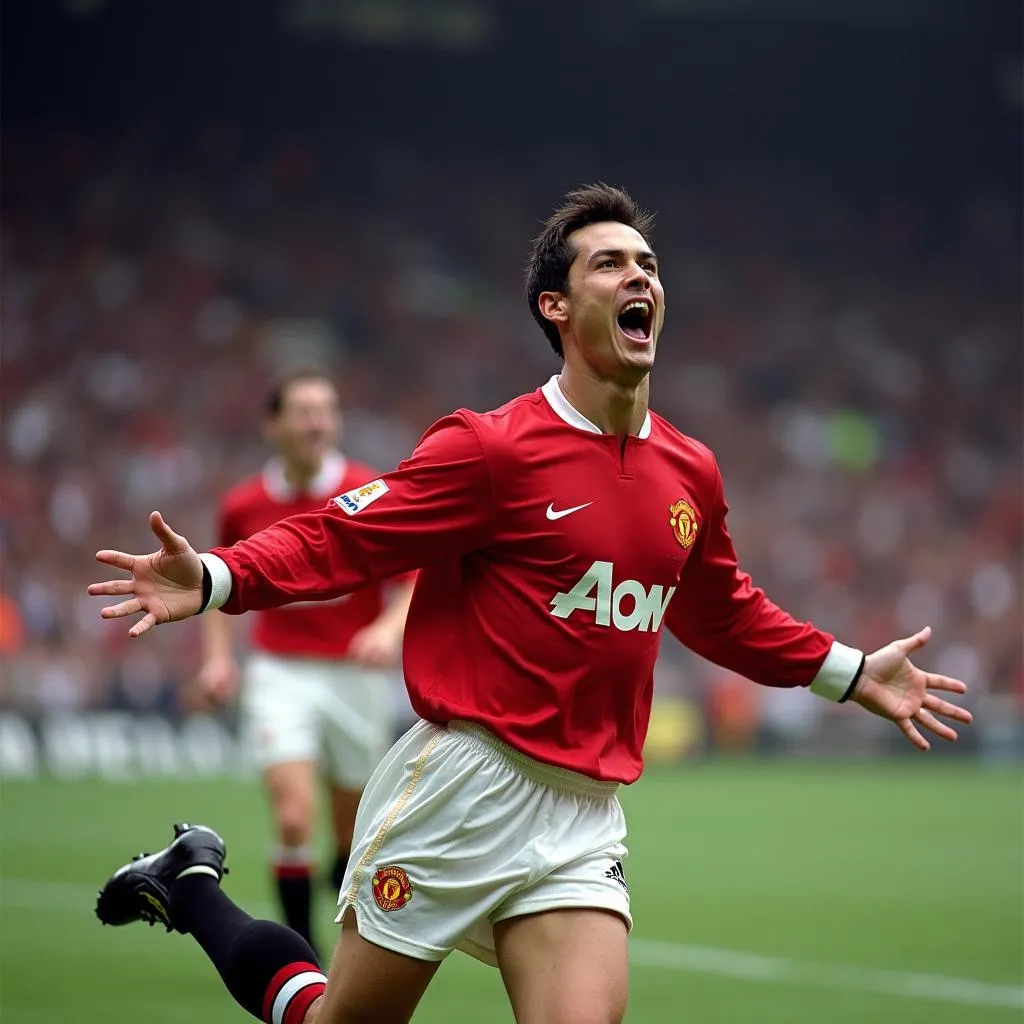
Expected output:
(436, 506)
(718, 613)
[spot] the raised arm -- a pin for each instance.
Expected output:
(436, 505)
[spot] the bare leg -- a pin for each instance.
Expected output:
(565, 966)
(368, 984)
(291, 790)
(344, 803)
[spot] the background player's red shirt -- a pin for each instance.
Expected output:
(321, 629)
(551, 554)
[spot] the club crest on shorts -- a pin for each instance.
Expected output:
(391, 888)
(684, 522)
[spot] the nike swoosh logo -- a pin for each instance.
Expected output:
(552, 514)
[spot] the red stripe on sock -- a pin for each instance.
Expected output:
(292, 870)
(302, 1001)
(279, 979)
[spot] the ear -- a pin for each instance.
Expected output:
(554, 306)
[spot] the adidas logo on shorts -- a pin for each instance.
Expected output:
(615, 872)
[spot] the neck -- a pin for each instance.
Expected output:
(612, 407)
(300, 475)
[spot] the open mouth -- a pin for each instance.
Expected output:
(636, 319)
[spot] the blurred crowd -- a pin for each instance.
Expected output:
(855, 365)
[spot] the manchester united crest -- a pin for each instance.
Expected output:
(391, 888)
(684, 522)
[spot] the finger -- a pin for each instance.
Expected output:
(934, 682)
(140, 627)
(929, 721)
(118, 559)
(909, 730)
(119, 611)
(943, 707)
(112, 588)
(169, 540)
(918, 640)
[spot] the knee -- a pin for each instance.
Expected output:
(589, 1006)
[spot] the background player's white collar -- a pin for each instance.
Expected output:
(564, 411)
(324, 485)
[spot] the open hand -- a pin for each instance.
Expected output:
(893, 687)
(167, 585)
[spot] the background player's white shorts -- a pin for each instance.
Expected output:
(335, 713)
(457, 831)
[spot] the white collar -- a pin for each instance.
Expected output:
(325, 484)
(571, 415)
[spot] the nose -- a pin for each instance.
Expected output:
(315, 425)
(638, 278)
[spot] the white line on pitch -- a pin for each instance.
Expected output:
(32, 894)
(757, 967)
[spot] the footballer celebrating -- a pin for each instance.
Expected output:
(555, 537)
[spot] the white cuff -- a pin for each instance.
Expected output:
(220, 575)
(837, 672)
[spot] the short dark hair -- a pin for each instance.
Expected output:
(551, 256)
(274, 402)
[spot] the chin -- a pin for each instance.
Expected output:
(632, 372)
(640, 360)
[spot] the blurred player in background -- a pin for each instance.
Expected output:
(555, 536)
(315, 697)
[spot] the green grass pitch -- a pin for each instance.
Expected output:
(762, 892)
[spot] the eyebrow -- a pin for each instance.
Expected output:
(644, 254)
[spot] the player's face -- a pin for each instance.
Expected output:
(616, 303)
(308, 424)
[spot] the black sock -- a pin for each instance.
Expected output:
(265, 966)
(338, 871)
(295, 891)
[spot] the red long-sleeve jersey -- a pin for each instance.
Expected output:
(321, 629)
(551, 555)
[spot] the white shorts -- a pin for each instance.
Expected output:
(457, 831)
(334, 713)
